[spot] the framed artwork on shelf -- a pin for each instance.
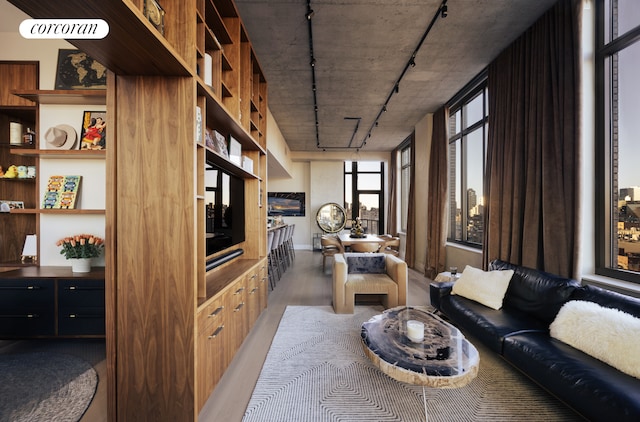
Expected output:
(7, 206)
(62, 192)
(94, 130)
(155, 13)
(220, 145)
(209, 139)
(77, 70)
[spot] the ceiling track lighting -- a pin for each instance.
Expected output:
(442, 12)
(310, 12)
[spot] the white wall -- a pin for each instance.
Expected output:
(299, 182)
(92, 188)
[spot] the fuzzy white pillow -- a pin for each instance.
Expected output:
(485, 287)
(609, 335)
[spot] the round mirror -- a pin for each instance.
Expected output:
(331, 218)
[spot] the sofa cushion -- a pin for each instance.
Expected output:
(485, 287)
(366, 263)
(488, 325)
(535, 292)
(607, 334)
(596, 390)
(608, 299)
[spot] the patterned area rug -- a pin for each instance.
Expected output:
(45, 387)
(316, 371)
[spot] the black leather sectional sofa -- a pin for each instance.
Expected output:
(519, 333)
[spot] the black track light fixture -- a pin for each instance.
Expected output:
(440, 12)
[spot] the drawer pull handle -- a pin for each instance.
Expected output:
(254, 276)
(240, 290)
(216, 312)
(20, 316)
(239, 307)
(20, 288)
(254, 290)
(216, 332)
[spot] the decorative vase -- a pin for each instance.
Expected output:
(80, 265)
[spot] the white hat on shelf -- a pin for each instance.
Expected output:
(61, 137)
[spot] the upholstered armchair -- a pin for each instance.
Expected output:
(368, 273)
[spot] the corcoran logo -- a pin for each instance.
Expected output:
(64, 28)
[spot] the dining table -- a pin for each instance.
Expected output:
(347, 240)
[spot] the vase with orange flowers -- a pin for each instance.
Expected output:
(80, 249)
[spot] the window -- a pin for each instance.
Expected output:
(467, 148)
(405, 182)
(363, 194)
(617, 142)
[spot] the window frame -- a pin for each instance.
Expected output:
(404, 211)
(605, 186)
(355, 192)
(477, 87)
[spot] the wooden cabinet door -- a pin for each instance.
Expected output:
(212, 335)
(17, 75)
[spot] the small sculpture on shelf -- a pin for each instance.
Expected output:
(11, 173)
(356, 229)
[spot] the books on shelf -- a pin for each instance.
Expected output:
(235, 151)
(198, 134)
(61, 192)
(208, 69)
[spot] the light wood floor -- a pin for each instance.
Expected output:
(302, 284)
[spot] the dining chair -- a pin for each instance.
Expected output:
(331, 245)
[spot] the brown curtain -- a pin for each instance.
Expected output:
(392, 215)
(533, 146)
(411, 211)
(437, 199)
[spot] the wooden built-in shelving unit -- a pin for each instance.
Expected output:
(173, 327)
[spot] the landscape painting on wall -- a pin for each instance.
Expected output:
(285, 204)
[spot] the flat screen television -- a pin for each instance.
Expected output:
(224, 209)
(286, 204)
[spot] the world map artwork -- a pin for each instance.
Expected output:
(77, 70)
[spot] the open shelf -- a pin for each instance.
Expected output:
(57, 96)
(61, 153)
(132, 47)
(56, 211)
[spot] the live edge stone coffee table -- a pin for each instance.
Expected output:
(443, 359)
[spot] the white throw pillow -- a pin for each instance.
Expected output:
(485, 287)
(609, 335)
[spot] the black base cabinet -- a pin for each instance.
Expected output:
(80, 307)
(41, 302)
(27, 306)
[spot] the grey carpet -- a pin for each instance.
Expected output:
(316, 371)
(45, 386)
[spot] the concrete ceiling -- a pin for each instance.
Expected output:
(361, 47)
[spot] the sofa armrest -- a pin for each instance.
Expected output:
(439, 290)
(340, 271)
(397, 270)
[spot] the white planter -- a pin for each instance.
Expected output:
(80, 265)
